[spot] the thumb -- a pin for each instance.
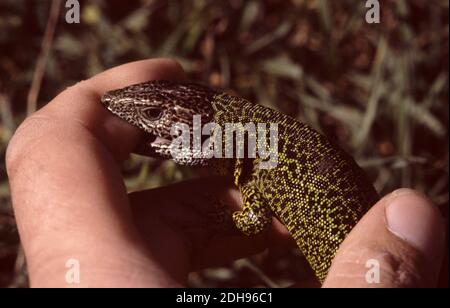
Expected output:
(398, 243)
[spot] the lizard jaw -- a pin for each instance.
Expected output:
(154, 146)
(159, 141)
(161, 148)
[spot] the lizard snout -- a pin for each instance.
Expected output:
(106, 100)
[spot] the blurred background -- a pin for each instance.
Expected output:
(379, 90)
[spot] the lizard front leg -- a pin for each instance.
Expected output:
(255, 215)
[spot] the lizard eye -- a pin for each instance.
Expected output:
(152, 114)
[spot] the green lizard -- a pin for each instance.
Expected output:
(316, 190)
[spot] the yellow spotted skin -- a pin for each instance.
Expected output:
(317, 190)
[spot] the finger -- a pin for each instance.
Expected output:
(162, 213)
(398, 243)
(67, 190)
(80, 105)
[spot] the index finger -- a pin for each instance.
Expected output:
(80, 103)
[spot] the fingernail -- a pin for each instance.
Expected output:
(413, 218)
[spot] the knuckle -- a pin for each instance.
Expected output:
(400, 268)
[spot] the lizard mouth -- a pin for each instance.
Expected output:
(153, 145)
(156, 146)
(159, 141)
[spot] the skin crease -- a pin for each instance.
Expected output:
(70, 202)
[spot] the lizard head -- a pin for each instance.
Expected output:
(155, 106)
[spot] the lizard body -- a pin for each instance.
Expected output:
(316, 190)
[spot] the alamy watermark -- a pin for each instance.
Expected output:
(73, 11)
(72, 276)
(373, 12)
(231, 140)
(373, 274)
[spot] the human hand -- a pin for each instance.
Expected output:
(70, 203)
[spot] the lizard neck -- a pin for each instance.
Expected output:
(232, 109)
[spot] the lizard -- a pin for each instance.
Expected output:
(317, 190)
